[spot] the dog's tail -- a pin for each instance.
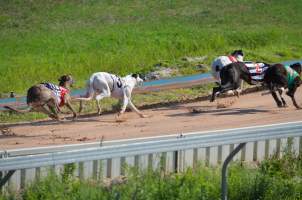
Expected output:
(89, 91)
(84, 98)
(88, 96)
(16, 110)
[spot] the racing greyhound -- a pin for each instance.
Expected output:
(49, 98)
(278, 77)
(222, 61)
(103, 84)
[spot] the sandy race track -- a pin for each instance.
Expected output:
(248, 110)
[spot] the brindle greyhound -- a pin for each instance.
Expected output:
(48, 98)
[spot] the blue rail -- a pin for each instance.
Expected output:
(176, 80)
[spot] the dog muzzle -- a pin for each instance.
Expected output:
(140, 84)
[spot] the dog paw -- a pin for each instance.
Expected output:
(144, 116)
(119, 118)
(280, 105)
(62, 120)
(195, 110)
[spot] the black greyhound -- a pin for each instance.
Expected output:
(275, 77)
(278, 77)
(230, 76)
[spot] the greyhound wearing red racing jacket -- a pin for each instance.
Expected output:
(49, 98)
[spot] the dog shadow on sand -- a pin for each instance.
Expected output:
(200, 110)
(50, 122)
(6, 132)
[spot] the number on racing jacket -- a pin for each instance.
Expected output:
(119, 82)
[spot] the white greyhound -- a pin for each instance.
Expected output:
(222, 61)
(103, 84)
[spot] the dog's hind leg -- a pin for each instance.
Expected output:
(54, 111)
(99, 97)
(215, 90)
(44, 110)
(98, 105)
(53, 107)
(81, 106)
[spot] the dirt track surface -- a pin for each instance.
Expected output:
(248, 110)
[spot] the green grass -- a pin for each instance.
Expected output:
(275, 178)
(42, 39)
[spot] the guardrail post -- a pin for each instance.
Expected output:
(224, 185)
(4, 180)
(175, 162)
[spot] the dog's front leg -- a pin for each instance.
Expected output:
(68, 104)
(277, 100)
(295, 103)
(291, 92)
(132, 106)
(280, 90)
(67, 100)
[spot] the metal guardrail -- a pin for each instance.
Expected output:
(12, 161)
(93, 151)
(72, 147)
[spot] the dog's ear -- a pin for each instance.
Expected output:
(62, 78)
(237, 52)
(65, 78)
(240, 52)
(142, 76)
(234, 53)
(297, 67)
(135, 75)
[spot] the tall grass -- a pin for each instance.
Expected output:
(41, 40)
(275, 178)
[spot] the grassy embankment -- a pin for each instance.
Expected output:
(40, 40)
